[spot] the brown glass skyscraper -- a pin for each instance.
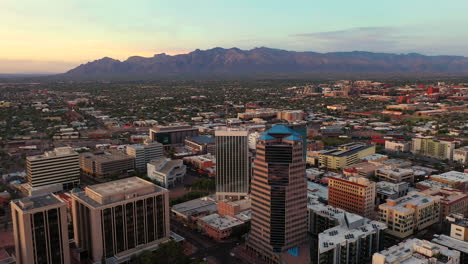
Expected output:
(279, 198)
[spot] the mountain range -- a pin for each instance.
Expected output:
(234, 61)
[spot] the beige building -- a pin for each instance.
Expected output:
(62, 165)
(117, 219)
(344, 155)
(461, 155)
(401, 146)
(433, 148)
(144, 153)
(167, 172)
(40, 230)
(452, 201)
(409, 214)
(290, 115)
(416, 251)
(395, 175)
(354, 194)
(108, 163)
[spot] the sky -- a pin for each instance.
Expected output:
(52, 36)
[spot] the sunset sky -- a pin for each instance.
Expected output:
(51, 36)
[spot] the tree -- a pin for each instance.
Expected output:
(167, 253)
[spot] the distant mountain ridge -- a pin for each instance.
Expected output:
(263, 60)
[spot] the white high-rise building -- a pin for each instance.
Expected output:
(144, 153)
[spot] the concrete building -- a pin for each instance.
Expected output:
(200, 144)
(354, 194)
(409, 214)
(290, 115)
(232, 164)
(453, 244)
(395, 175)
(40, 230)
(362, 169)
(167, 172)
(144, 153)
(430, 147)
(397, 146)
(461, 155)
(452, 201)
(117, 219)
(279, 198)
(106, 164)
(417, 251)
(258, 113)
(453, 179)
(388, 190)
(172, 135)
(62, 165)
(459, 226)
(350, 242)
(344, 155)
(192, 210)
(218, 227)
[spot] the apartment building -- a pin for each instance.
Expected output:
(430, 147)
(452, 201)
(397, 146)
(353, 194)
(351, 242)
(453, 244)
(453, 179)
(409, 214)
(344, 155)
(461, 155)
(107, 163)
(144, 153)
(40, 230)
(167, 172)
(290, 115)
(117, 219)
(61, 165)
(416, 251)
(395, 175)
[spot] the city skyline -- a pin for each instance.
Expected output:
(56, 37)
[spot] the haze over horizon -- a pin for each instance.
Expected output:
(60, 35)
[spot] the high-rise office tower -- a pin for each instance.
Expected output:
(279, 198)
(40, 230)
(62, 165)
(232, 164)
(117, 219)
(144, 153)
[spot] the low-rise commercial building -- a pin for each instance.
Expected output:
(107, 163)
(117, 219)
(167, 172)
(395, 175)
(417, 251)
(200, 144)
(409, 214)
(192, 210)
(454, 179)
(173, 135)
(453, 244)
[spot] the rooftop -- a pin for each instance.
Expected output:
(405, 203)
(196, 207)
(390, 188)
(414, 251)
(347, 149)
(451, 242)
(221, 222)
(35, 202)
(375, 156)
(110, 155)
(57, 152)
(118, 190)
(202, 140)
(451, 176)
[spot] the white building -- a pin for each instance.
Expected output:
(167, 172)
(144, 153)
(418, 252)
(62, 165)
(401, 146)
(461, 155)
